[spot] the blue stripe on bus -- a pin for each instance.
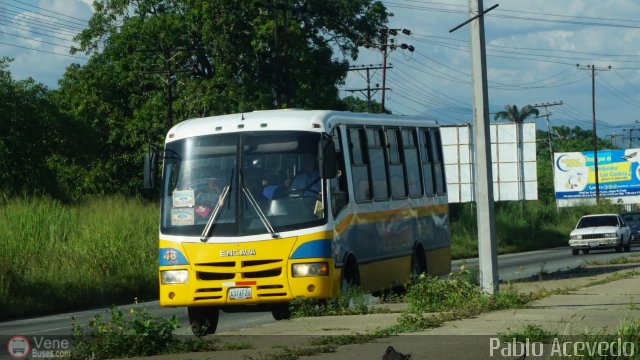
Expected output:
(313, 249)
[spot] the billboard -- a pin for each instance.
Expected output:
(513, 156)
(618, 177)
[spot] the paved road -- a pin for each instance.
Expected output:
(511, 267)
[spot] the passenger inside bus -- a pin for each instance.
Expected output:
(207, 198)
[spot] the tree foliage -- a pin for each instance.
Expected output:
(154, 63)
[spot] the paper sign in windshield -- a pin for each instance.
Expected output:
(182, 216)
(183, 198)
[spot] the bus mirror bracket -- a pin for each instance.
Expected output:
(150, 168)
(327, 157)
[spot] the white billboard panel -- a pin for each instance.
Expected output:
(513, 153)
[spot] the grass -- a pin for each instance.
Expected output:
(56, 257)
(353, 302)
(137, 333)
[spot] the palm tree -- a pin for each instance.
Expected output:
(511, 113)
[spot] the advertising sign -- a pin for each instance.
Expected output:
(618, 177)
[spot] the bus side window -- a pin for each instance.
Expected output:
(426, 152)
(338, 192)
(395, 164)
(411, 162)
(359, 164)
(438, 162)
(376, 145)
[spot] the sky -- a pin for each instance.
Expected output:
(533, 49)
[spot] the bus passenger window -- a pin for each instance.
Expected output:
(426, 152)
(359, 164)
(338, 186)
(411, 162)
(396, 170)
(375, 142)
(438, 162)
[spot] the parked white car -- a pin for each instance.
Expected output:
(602, 231)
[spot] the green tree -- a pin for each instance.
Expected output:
(511, 113)
(351, 103)
(29, 135)
(156, 62)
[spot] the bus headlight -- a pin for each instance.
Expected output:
(310, 269)
(174, 276)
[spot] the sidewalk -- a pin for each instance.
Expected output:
(577, 309)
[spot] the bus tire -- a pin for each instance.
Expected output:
(350, 276)
(281, 312)
(418, 263)
(203, 320)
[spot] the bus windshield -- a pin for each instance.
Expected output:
(270, 181)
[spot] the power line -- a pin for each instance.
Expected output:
(53, 12)
(43, 51)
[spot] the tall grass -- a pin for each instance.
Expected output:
(56, 257)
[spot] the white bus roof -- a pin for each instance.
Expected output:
(288, 119)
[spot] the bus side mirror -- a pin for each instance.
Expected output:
(327, 154)
(150, 170)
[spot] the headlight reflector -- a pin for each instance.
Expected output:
(174, 276)
(310, 269)
(611, 235)
(576, 237)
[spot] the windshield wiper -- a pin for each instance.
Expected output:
(216, 211)
(214, 214)
(261, 214)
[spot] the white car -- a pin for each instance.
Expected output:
(602, 231)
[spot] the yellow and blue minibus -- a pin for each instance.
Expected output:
(262, 207)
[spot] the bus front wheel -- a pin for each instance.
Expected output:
(281, 312)
(203, 320)
(350, 276)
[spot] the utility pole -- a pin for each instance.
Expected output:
(168, 76)
(631, 138)
(487, 254)
(546, 115)
(387, 45)
(368, 89)
(613, 137)
(593, 111)
(280, 10)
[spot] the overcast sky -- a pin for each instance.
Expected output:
(532, 51)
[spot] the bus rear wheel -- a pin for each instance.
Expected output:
(418, 263)
(203, 320)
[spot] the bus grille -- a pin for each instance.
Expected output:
(269, 273)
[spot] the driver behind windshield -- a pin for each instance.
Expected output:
(308, 178)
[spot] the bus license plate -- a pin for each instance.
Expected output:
(593, 243)
(240, 293)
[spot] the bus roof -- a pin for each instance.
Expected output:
(287, 119)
